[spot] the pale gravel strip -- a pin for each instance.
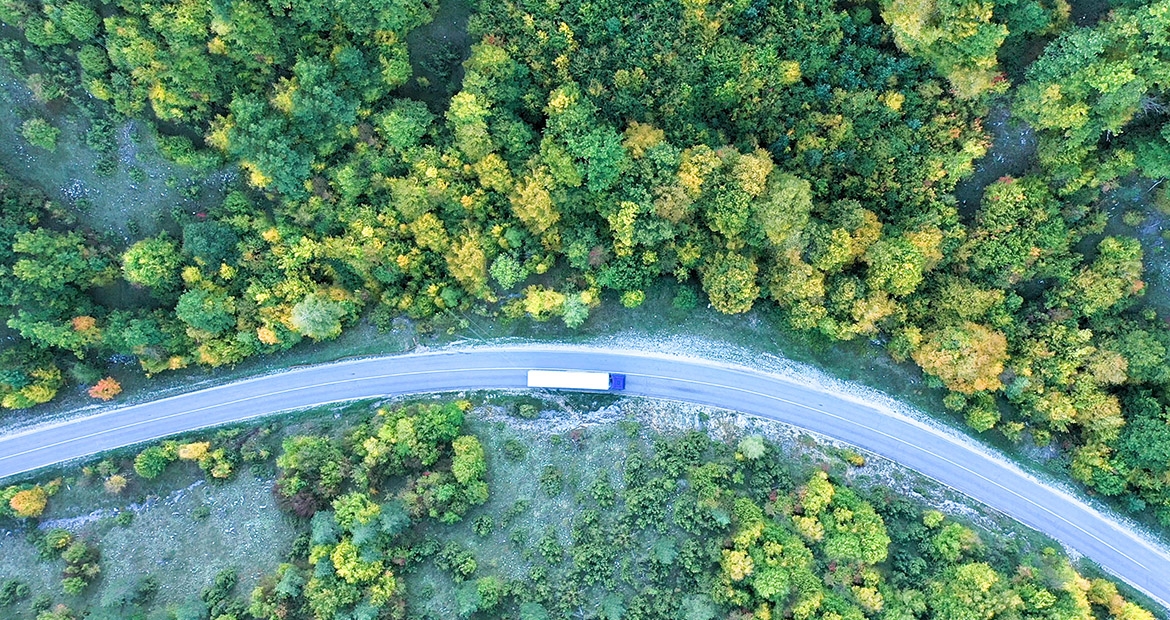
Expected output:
(735, 357)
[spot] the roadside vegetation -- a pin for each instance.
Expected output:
(800, 156)
(429, 509)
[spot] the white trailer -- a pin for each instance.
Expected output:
(575, 380)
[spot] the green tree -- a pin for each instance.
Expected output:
(318, 317)
(52, 261)
(783, 212)
(507, 271)
(314, 466)
(40, 133)
(730, 282)
(80, 20)
(1114, 276)
(153, 263)
(1093, 82)
(973, 591)
(153, 461)
(958, 37)
(468, 463)
(209, 311)
(575, 311)
(404, 123)
(210, 242)
(1019, 234)
(895, 266)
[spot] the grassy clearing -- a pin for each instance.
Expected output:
(185, 528)
(243, 529)
(136, 200)
(182, 536)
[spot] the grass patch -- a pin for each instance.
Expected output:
(181, 536)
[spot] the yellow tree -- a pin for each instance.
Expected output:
(968, 357)
(30, 503)
(467, 263)
(532, 203)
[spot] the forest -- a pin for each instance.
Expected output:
(681, 526)
(797, 157)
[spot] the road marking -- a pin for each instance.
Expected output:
(660, 377)
(904, 442)
(648, 376)
(225, 404)
(938, 433)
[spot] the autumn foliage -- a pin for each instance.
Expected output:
(106, 389)
(30, 503)
(968, 358)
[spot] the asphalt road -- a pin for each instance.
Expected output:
(935, 453)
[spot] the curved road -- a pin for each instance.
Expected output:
(933, 452)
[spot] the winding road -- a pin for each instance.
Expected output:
(938, 454)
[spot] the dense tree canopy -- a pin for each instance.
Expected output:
(1103, 86)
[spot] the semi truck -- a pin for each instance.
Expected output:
(576, 380)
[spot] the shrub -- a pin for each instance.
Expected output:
(54, 541)
(685, 300)
(507, 271)
(152, 462)
(30, 503)
(40, 133)
(194, 451)
(483, 525)
(115, 484)
(633, 299)
(13, 591)
(73, 585)
(752, 447)
(551, 480)
(106, 389)
(515, 450)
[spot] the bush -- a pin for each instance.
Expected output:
(491, 590)
(633, 299)
(483, 525)
(752, 447)
(515, 450)
(507, 271)
(456, 560)
(552, 480)
(221, 589)
(13, 591)
(40, 133)
(685, 300)
(115, 484)
(152, 462)
(30, 503)
(53, 542)
(73, 585)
